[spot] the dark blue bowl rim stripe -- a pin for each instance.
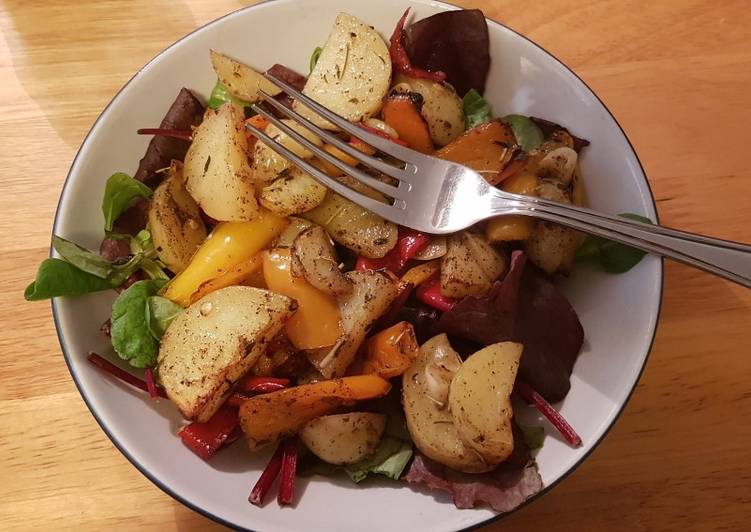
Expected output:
(216, 518)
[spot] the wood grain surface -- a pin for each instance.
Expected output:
(675, 73)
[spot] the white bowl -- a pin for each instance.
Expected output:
(619, 313)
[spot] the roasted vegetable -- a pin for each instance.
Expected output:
(470, 265)
(175, 222)
(214, 342)
(371, 295)
(442, 108)
(390, 352)
(314, 252)
(268, 418)
(480, 400)
(514, 227)
(401, 111)
(486, 148)
(228, 245)
(352, 226)
(549, 243)
(267, 164)
(316, 321)
(245, 273)
(425, 392)
(240, 80)
(185, 113)
(352, 74)
(343, 439)
(217, 173)
(293, 192)
(454, 42)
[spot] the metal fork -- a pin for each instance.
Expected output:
(436, 196)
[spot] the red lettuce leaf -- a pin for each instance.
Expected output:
(186, 111)
(525, 307)
(454, 42)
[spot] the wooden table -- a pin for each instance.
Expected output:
(676, 74)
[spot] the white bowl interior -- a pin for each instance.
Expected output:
(619, 313)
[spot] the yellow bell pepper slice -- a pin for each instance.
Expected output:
(229, 244)
(514, 227)
(316, 323)
(244, 273)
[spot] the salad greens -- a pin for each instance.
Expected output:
(220, 95)
(160, 312)
(612, 257)
(119, 194)
(476, 109)
(390, 459)
(314, 57)
(131, 335)
(527, 133)
(56, 278)
(534, 436)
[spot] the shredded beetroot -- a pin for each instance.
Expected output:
(150, 385)
(401, 61)
(429, 293)
(269, 474)
(526, 392)
(205, 439)
(121, 374)
(289, 471)
(174, 133)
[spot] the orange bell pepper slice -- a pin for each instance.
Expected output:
(316, 323)
(389, 353)
(270, 417)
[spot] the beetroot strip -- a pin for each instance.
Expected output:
(150, 384)
(174, 133)
(527, 393)
(269, 474)
(289, 471)
(121, 374)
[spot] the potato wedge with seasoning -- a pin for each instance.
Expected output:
(343, 439)
(240, 80)
(214, 342)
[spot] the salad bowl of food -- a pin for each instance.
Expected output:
(230, 321)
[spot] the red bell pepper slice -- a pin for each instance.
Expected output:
(401, 61)
(205, 439)
(255, 385)
(409, 244)
(429, 293)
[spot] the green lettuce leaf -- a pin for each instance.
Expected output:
(476, 109)
(82, 258)
(57, 278)
(527, 134)
(612, 257)
(220, 95)
(534, 436)
(314, 57)
(119, 194)
(389, 460)
(130, 332)
(160, 312)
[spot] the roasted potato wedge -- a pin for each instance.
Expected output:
(175, 222)
(425, 392)
(343, 439)
(442, 108)
(267, 164)
(549, 244)
(217, 173)
(296, 226)
(352, 75)
(314, 252)
(240, 80)
(267, 418)
(294, 192)
(358, 229)
(214, 342)
(372, 293)
(480, 400)
(470, 265)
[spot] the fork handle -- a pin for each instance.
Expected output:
(727, 259)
